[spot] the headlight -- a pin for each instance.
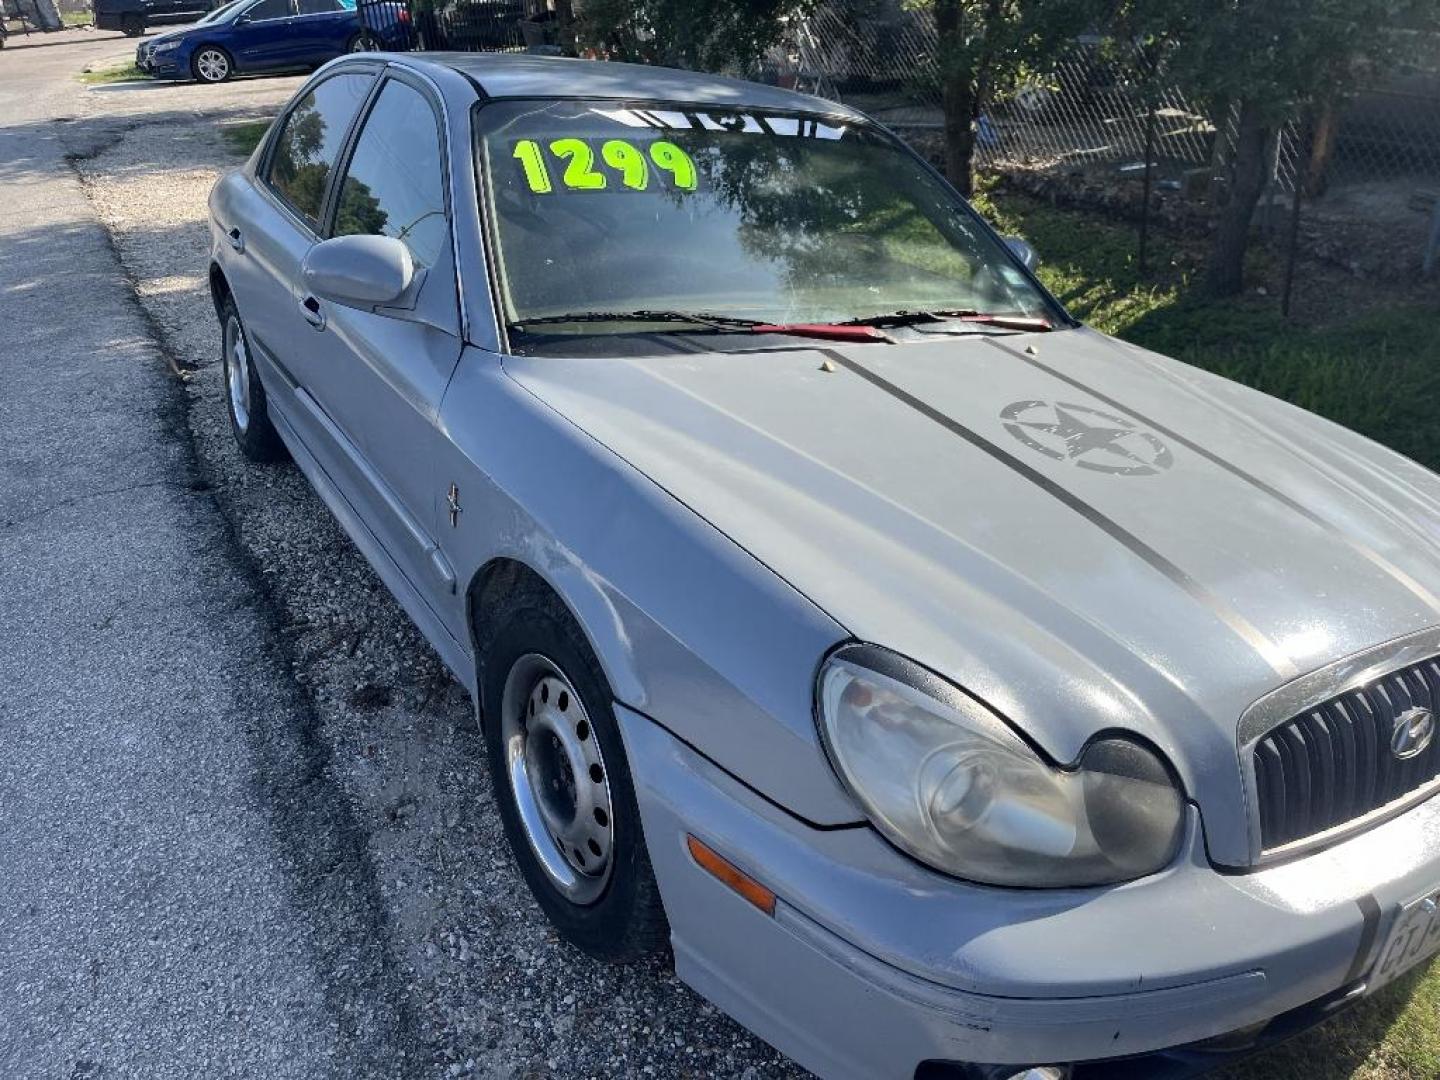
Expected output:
(947, 780)
(167, 46)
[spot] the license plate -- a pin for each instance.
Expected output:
(1414, 937)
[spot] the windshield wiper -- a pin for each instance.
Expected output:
(972, 315)
(721, 324)
(713, 322)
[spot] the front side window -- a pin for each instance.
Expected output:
(306, 147)
(604, 207)
(394, 185)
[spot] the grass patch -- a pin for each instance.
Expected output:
(127, 72)
(1372, 366)
(243, 138)
(75, 18)
(1376, 371)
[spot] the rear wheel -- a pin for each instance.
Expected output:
(211, 64)
(364, 42)
(563, 784)
(132, 25)
(244, 396)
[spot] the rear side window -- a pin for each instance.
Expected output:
(395, 183)
(320, 7)
(306, 148)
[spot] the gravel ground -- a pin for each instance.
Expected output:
(489, 989)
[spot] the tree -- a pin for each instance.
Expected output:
(985, 48)
(698, 34)
(1270, 60)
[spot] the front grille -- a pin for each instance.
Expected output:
(1334, 763)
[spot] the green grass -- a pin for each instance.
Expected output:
(121, 73)
(1376, 370)
(242, 138)
(1372, 364)
(75, 18)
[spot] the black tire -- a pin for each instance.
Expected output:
(211, 64)
(626, 921)
(364, 41)
(244, 395)
(132, 25)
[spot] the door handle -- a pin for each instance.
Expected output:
(314, 315)
(236, 240)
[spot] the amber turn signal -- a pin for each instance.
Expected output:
(731, 875)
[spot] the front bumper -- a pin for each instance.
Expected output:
(160, 65)
(872, 964)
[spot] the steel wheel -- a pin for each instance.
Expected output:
(237, 372)
(212, 65)
(557, 775)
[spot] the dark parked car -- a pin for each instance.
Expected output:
(272, 35)
(135, 16)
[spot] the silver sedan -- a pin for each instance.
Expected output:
(960, 692)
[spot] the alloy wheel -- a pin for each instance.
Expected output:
(213, 65)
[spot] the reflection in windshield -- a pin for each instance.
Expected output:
(776, 218)
(224, 13)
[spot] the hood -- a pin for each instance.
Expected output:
(172, 35)
(1086, 535)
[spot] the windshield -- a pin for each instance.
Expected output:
(604, 207)
(224, 13)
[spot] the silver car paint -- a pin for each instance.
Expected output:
(718, 522)
(1217, 591)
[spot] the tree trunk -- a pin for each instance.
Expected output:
(960, 134)
(957, 95)
(1225, 275)
(1322, 149)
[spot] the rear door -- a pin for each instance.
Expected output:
(377, 374)
(323, 29)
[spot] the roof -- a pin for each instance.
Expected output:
(512, 75)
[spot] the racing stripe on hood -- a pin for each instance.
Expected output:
(1238, 624)
(1373, 557)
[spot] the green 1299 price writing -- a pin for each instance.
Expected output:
(578, 171)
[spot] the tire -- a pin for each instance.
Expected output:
(211, 64)
(244, 395)
(364, 41)
(538, 657)
(132, 25)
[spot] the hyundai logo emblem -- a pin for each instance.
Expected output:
(1414, 728)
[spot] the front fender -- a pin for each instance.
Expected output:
(691, 630)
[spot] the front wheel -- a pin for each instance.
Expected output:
(558, 767)
(132, 25)
(211, 65)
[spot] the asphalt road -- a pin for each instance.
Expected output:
(245, 826)
(157, 915)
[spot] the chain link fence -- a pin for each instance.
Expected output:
(1368, 171)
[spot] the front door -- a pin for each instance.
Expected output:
(275, 223)
(378, 374)
(261, 37)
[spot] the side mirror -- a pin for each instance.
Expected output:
(1023, 251)
(359, 271)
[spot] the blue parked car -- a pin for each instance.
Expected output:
(272, 35)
